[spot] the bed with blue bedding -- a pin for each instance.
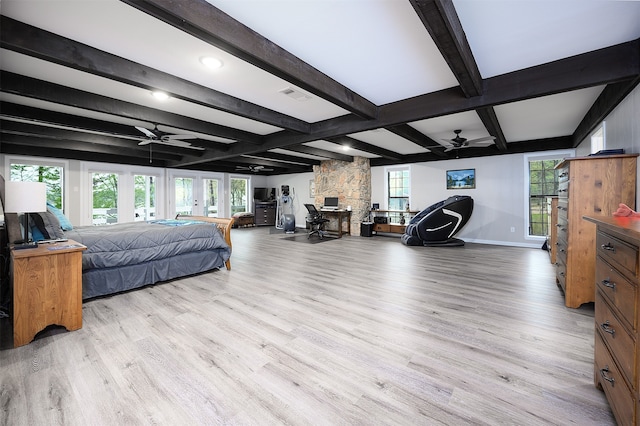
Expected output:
(125, 256)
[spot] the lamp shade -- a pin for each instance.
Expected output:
(25, 197)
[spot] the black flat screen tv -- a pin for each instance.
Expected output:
(263, 194)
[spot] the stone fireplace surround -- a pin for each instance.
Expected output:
(350, 182)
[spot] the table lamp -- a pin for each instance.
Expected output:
(25, 198)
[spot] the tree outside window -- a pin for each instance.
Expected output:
(398, 192)
(543, 183)
(239, 195)
(50, 175)
(105, 198)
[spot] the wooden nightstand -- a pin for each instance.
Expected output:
(47, 289)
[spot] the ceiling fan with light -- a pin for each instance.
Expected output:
(161, 138)
(255, 168)
(460, 142)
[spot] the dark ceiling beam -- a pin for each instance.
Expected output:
(32, 41)
(441, 21)
(490, 120)
(417, 137)
(49, 119)
(70, 150)
(610, 97)
(291, 159)
(112, 144)
(39, 89)
(366, 147)
(260, 162)
(206, 22)
(612, 64)
(304, 149)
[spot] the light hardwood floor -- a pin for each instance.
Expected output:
(345, 332)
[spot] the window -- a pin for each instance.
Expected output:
(211, 197)
(543, 183)
(105, 198)
(239, 192)
(398, 192)
(144, 188)
(183, 188)
(51, 175)
(598, 139)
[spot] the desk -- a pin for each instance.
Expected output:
(340, 215)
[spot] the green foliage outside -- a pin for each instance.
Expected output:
(105, 190)
(543, 182)
(238, 195)
(50, 175)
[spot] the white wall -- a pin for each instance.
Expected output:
(499, 196)
(299, 189)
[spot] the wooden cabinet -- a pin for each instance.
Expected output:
(617, 357)
(391, 220)
(47, 289)
(587, 186)
(265, 214)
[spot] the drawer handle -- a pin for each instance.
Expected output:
(603, 373)
(609, 284)
(561, 274)
(608, 247)
(606, 327)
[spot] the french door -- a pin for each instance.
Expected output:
(196, 194)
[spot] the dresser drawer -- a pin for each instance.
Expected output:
(616, 337)
(609, 378)
(561, 273)
(563, 229)
(563, 174)
(563, 189)
(618, 291)
(618, 253)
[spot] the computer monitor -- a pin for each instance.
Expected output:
(330, 203)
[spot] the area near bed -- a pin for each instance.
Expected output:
(130, 255)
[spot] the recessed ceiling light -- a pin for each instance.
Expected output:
(346, 148)
(161, 96)
(211, 62)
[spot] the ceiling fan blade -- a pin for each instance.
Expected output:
(144, 142)
(147, 132)
(179, 144)
(167, 138)
(487, 138)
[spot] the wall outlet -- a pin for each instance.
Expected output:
(513, 229)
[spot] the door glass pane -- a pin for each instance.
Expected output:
(184, 196)
(105, 198)
(210, 197)
(145, 197)
(239, 195)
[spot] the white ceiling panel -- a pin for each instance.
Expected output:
(546, 117)
(377, 48)
(507, 35)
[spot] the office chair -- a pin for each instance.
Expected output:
(316, 221)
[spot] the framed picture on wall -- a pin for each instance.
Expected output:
(461, 179)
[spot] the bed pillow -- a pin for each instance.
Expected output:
(47, 224)
(65, 223)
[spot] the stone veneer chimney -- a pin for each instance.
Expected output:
(350, 182)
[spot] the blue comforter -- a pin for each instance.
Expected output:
(139, 242)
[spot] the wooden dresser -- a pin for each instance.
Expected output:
(587, 186)
(617, 357)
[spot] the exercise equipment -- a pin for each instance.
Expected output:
(285, 217)
(436, 225)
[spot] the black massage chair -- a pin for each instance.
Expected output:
(436, 225)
